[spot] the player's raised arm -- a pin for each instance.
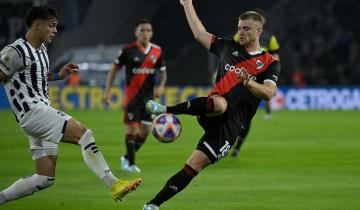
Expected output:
(196, 26)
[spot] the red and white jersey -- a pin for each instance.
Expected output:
(235, 60)
(141, 66)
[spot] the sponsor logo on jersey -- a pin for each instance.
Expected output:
(143, 71)
(238, 70)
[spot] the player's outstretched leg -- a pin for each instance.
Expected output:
(26, 186)
(173, 186)
(215, 105)
(195, 163)
(96, 162)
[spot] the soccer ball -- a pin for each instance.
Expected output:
(166, 128)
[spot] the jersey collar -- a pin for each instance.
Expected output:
(256, 52)
(142, 49)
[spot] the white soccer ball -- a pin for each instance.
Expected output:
(166, 128)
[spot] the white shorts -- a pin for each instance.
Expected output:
(44, 127)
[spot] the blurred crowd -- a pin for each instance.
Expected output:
(320, 45)
(319, 39)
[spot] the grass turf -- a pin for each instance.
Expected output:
(297, 160)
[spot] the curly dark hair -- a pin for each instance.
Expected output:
(40, 13)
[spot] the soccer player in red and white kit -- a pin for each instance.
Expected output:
(246, 74)
(270, 44)
(143, 63)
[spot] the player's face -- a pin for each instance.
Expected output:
(47, 30)
(144, 33)
(249, 31)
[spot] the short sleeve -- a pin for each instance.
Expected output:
(120, 58)
(11, 61)
(160, 64)
(217, 45)
(272, 73)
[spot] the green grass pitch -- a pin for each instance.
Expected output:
(297, 160)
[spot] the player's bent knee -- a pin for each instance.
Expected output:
(220, 105)
(74, 131)
(39, 153)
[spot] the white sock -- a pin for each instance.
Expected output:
(109, 179)
(95, 160)
(26, 186)
(3, 199)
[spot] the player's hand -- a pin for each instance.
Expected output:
(68, 69)
(245, 77)
(158, 91)
(106, 98)
(185, 2)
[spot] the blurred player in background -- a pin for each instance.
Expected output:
(245, 75)
(142, 60)
(24, 69)
(269, 43)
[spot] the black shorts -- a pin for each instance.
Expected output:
(135, 113)
(221, 133)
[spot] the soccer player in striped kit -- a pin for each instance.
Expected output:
(143, 63)
(246, 74)
(24, 69)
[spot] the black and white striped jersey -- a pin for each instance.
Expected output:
(27, 69)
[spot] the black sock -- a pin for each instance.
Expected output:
(139, 142)
(267, 108)
(197, 106)
(174, 185)
(130, 148)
